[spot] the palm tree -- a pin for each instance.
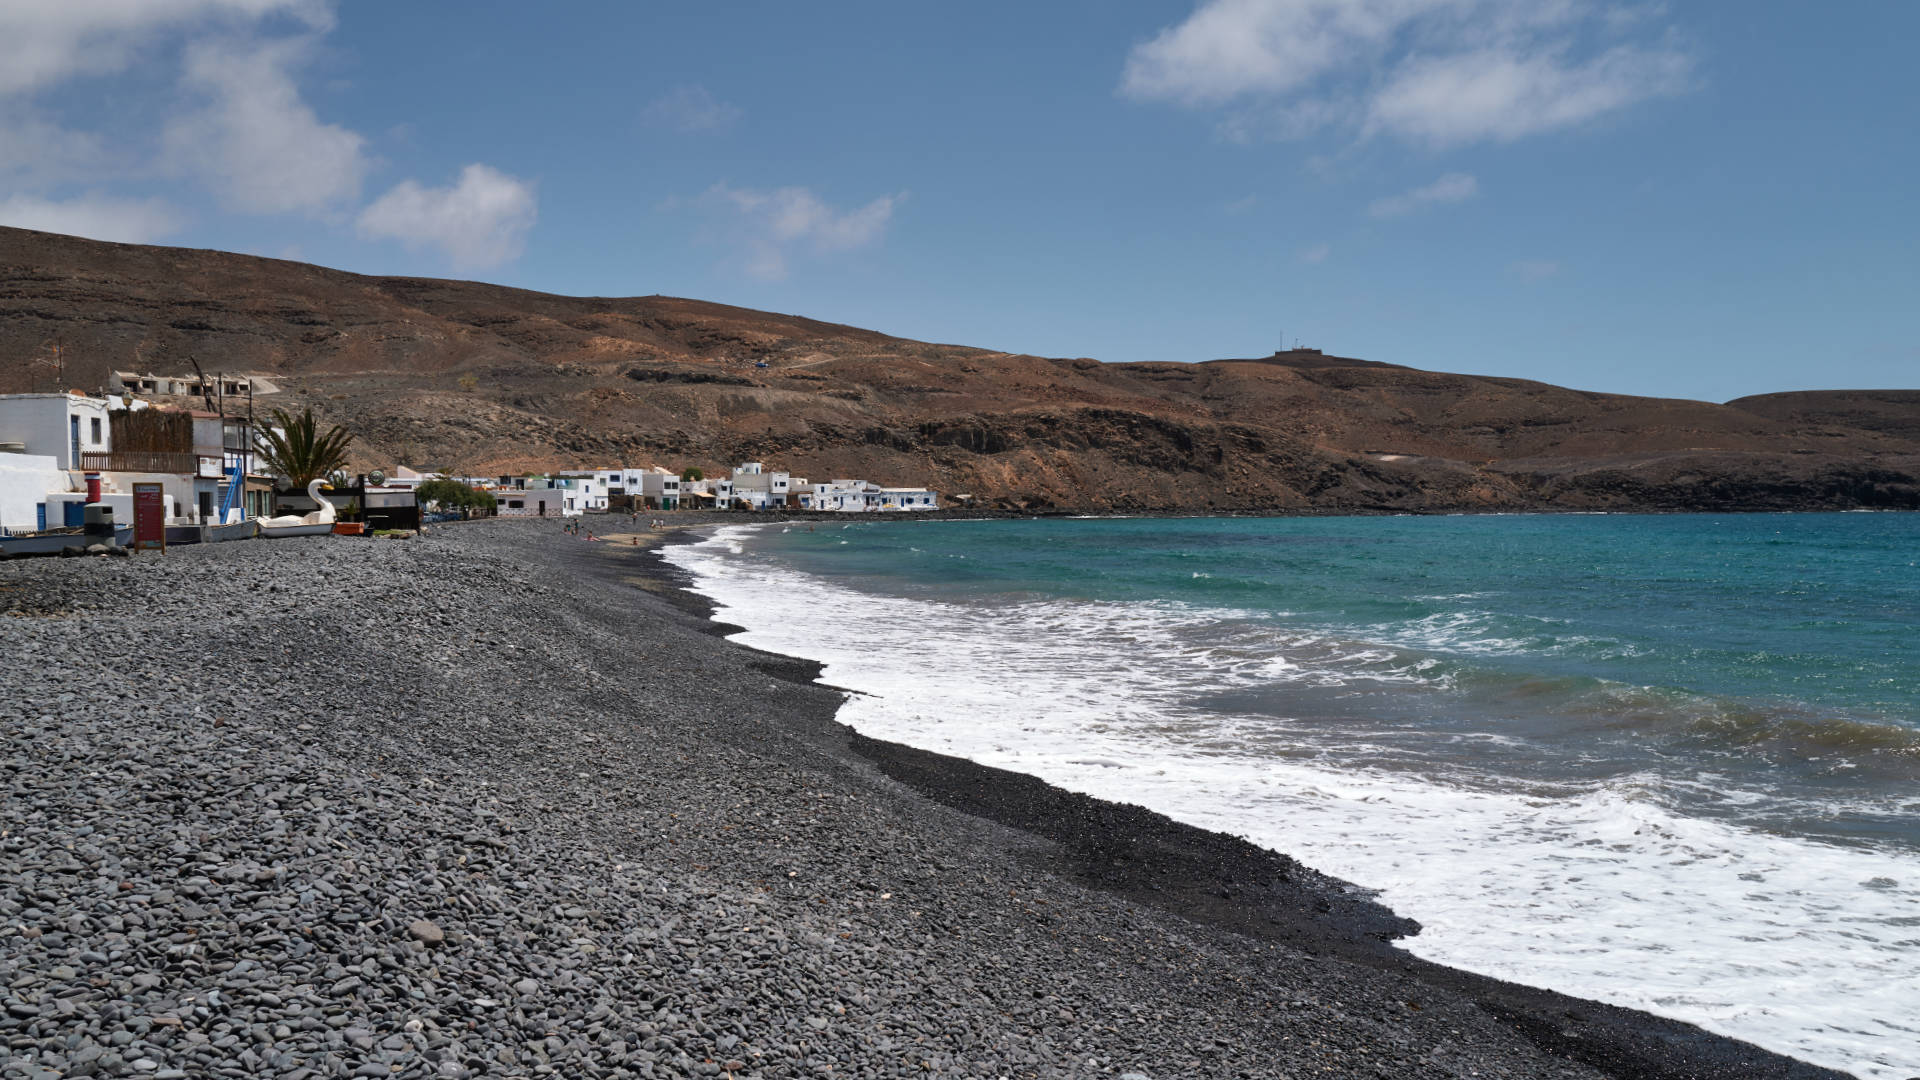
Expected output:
(299, 451)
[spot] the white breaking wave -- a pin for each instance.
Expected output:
(1797, 946)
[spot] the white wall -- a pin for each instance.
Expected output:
(25, 482)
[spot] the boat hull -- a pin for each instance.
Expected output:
(239, 530)
(278, 532)
(55, 543)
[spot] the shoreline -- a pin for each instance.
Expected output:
(499, 801)
(1232, 884)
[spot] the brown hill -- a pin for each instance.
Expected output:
(483, 378)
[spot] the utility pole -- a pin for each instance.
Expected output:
(206, 392)
(58, 364)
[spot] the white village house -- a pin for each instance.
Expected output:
(539, 496)
(660, 488)
(861, 496)
(706, 494)
(757, 489)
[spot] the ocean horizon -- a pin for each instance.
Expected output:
(1665, 762)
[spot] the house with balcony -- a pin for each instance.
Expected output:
(540, 496)
(660, 489)
(595, 485)
(758, 489)
(204, 462)
(715, 494)
(653, 487)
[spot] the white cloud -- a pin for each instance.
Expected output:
(776, 222)
(256, 137)
(1439, 71)
(1503, 94)
(1228, 49)
(691, 108)
(1315, 255)
(1451, 188)
(96, 217)
(35, 152)
(1534, 269)
(257, 142)
(45, 42)
(479, 222)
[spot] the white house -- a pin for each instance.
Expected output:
(660, 487)
(909, 499)
(759, 489)
(590, 486)
(612, 483)
(654, 486)
(541, 497)
(64, 427)
(846, 495)
(708, 494)
(861, 496)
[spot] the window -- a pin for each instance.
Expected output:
(96, 431)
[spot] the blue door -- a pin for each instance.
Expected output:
(75, 513)
(39, 517)
(73, 429)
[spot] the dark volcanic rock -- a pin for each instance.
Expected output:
(240, 777)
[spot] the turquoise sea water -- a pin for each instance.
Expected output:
(1680, 755)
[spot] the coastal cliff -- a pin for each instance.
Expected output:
(481, 378)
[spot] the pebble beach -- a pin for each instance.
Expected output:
(500, 801)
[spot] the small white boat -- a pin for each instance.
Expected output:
(235, 530)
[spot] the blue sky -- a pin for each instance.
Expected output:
(1701, 200)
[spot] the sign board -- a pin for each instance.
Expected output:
(149, 517)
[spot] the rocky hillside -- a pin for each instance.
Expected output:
(480, 378)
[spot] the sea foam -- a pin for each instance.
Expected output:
(1605, 892)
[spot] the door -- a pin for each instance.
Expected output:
(206, 508)
(73, 433)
